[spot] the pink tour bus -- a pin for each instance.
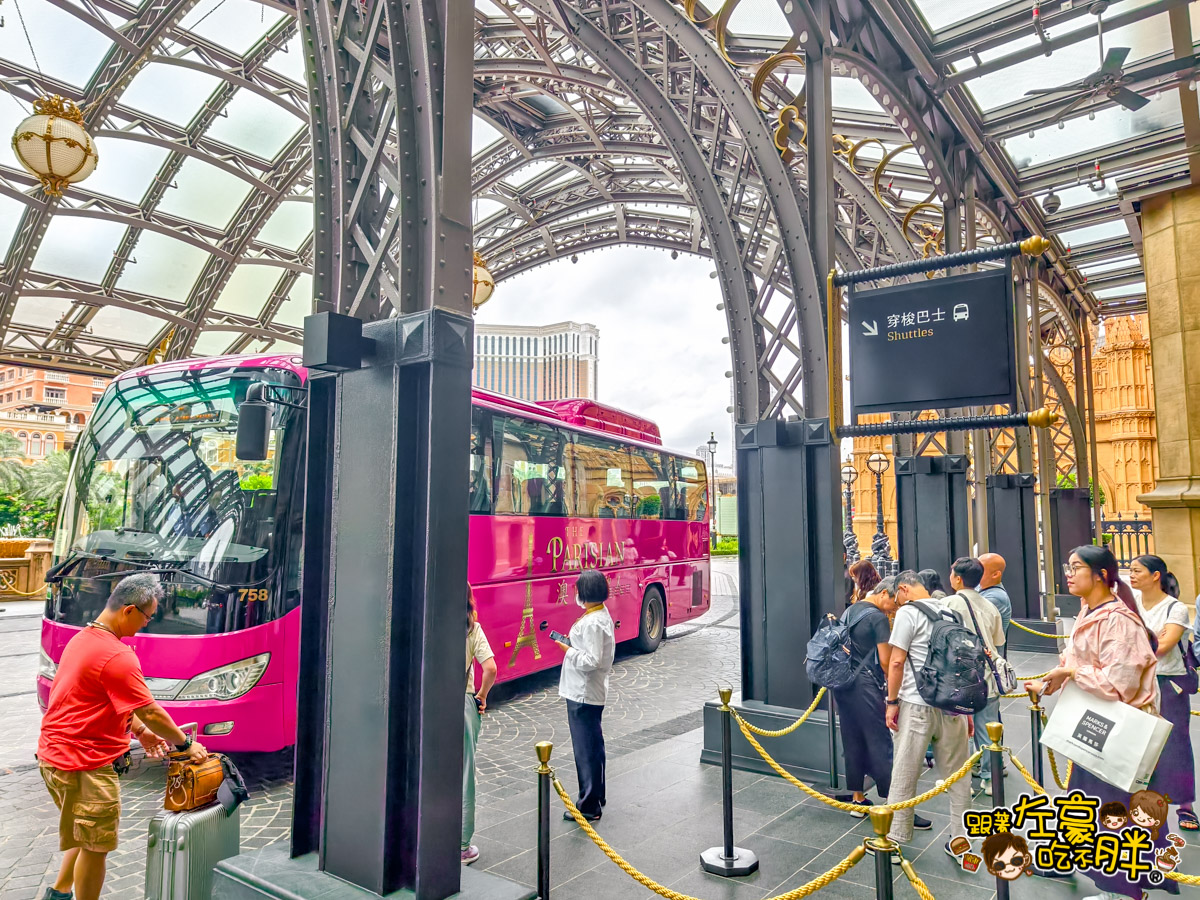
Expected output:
(554, 487)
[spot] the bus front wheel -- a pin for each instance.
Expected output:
(652, 624)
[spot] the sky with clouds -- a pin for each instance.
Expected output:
(661, 354)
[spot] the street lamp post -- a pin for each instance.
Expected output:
(881, 551)
(712, 499)
(849, 538)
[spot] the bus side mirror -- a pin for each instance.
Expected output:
(254, 425)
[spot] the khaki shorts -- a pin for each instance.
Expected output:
(89, 804)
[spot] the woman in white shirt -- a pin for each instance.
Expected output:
(1167, 617)
(589, 649)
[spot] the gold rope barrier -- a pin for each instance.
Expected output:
(1183, 879)
(1062, 783)
(837, 804)
(800, 721)
(1038, 633)
(646, 881)
(41, 591)
(918, 885)
(1020, 766)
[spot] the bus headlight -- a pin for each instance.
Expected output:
(226, 682)
(47, 668)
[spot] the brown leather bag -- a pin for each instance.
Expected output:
(191, 785)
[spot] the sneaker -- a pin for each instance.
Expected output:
(920, 823)
(470, 855)
(949, 852)
(52, 894)
(567, 817)
(860, 813)
(986, 787)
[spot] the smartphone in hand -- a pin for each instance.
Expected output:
(560, 637)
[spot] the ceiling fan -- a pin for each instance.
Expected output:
(1110, 79)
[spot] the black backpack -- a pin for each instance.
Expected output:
(828, 660)
(829, 657)
(953, 677)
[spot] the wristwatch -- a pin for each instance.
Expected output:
(895, 702)
(185, 746)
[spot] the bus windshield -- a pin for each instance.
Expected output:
(155, 483)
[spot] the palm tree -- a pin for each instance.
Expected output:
(13, 473)
(47, 479)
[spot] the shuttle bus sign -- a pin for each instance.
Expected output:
(939, 343)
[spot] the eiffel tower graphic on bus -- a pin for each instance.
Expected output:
(527, 636)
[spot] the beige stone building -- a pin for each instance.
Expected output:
(537, 362)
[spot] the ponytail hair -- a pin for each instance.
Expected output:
(1155, 565)
(1104, 566)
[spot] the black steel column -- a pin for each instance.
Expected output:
(1013, 533)
(397, 592)
(931, 511)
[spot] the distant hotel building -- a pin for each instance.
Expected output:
(549, 362)
(46, 410)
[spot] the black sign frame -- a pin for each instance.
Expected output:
(883, 365)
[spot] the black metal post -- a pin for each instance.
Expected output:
(544, 749)
(849, 505)
(995, 731)
(882, 848)
(833, 766)
(879, 503)
(727, 860)
(1037, 766)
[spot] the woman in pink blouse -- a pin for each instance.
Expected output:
(1111, 654)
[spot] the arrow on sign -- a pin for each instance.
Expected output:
(870, 330)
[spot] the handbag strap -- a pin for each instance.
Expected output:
(850, 631)
(983, 640)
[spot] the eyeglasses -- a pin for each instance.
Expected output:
(1070, 570)
(144, 614)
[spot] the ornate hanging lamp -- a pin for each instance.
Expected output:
(483, 283)
(53, 144)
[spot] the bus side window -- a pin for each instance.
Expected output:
(481, 462)
(690, 489)
(650, 484)
(602, 478)
(532, 479)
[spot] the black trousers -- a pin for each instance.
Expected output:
(587, 742)
(866, 741)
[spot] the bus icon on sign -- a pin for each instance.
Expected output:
(961, 313)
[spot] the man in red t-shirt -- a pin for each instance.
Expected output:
(99, 696)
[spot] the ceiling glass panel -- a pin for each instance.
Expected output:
(171, 93)
(248, 289)
(1109, 265)
(126, 168)
(1069, 64)
(40, 312)
(78, 247)
(761, 17)
(1091, 233)
(289, 225)
(1081, 194)
(204, 194)
(849, 93)
(212, 343)
(65, 47)
(483, 133)
(1125, 290)
(10, 216)
(939, 14)
(235, 24)
(12, 114)
(289, 61)
(115, 322)
(256, 125)
(1082, 135)
(165, 268)
(298, 303)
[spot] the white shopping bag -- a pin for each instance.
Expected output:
(1110, 739)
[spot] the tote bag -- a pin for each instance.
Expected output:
(1112, 740)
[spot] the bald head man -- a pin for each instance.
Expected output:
(992, 588)
(993, 569)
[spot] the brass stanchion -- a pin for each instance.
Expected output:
(1035, 730)
(727, 860)
(544, 773)
(883, 847)
(995, 731)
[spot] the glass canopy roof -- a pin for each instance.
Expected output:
(217, 117)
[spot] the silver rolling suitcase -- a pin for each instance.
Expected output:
(183, 847)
